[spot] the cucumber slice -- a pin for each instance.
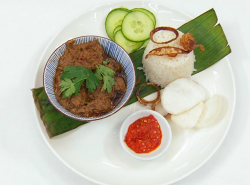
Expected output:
(114, 19)
(149, 13)
(116, 29)
(145, 43)
(136, 26)
(128, 45)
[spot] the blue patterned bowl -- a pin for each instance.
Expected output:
(110, 48)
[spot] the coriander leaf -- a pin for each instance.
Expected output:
(108, 82)
(107, 75)
(106, 62)
(67, 87)
(92, 81)
(74, 72)
(106, 71)
(78, 74)
(98, 74)
(78, 86)
(65, 84)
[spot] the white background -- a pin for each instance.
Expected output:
(26, 28)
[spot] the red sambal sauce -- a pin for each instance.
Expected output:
(144, 135)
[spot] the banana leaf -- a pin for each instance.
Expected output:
(211, 36)
(205, 31)
(54, 121)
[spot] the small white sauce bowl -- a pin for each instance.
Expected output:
(166, 134)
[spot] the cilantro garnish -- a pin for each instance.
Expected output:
(106, 62)
(78, 74)
(73, 77)
(106, 74)
(67, 87)
(108, 82)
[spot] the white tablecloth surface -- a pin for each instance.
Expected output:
(26, 28)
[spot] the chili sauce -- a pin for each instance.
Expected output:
(144, 135)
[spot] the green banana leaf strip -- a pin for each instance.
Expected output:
(205, 31)
(211, 36)
(54, 121)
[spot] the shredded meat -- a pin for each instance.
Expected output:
(120, 84)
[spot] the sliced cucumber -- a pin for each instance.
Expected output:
(128, 45)
(116, 29)
(136, 26)
(114, 19)
(150, 14)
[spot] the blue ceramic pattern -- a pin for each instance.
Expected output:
(112, 49)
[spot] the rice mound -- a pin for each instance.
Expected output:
(162, 70)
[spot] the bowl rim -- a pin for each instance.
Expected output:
(147, 156)
(89, 118)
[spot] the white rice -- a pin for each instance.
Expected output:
(162, 70)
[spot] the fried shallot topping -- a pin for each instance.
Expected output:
(166, 29)
(167, 50)
(187, 41)
(155, 103)
(168, 116)
(145, 102)
(138, 81)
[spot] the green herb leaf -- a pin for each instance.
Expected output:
(92, 81)
(67, 88)
(78, 86)
(106, 62)
(65, 84)
(107, 74)
(74, 72)
(98, 74)
(106, 71)
(78, 74)
(108, 82)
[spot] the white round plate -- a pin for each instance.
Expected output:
(94, 151)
